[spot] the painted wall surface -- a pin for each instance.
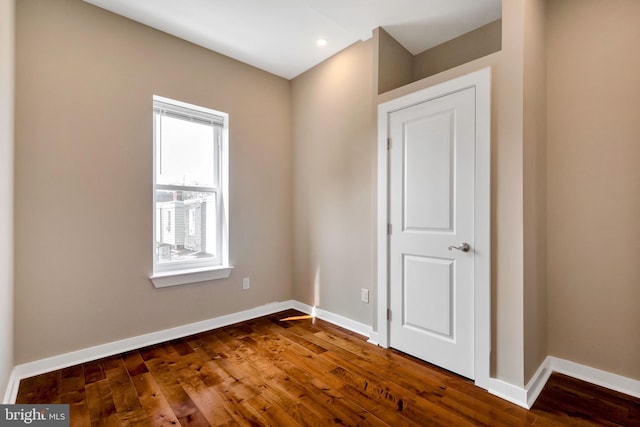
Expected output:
(565, 193)
(535, 187)
(394, 62)
(84, 85)
(594, 183)
(397, 67)
(334, 181)
(6, 190)
(475, 44)
(507, 195)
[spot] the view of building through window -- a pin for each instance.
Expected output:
(185, 225)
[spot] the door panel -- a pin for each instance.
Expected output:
(427, 171)
(431, 188)
(428, 303)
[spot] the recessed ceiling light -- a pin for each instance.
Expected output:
(321, 42)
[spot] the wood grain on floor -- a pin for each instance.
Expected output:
(301, 372)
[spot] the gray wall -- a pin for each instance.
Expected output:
(303, 153)
(6, 189)
(334, 181)
(475, 44)
(594, 183)
(535, 187)
(85, 80)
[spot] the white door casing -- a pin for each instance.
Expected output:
(445, 319)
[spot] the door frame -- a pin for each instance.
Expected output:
(481, 81)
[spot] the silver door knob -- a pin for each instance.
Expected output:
(464, 247)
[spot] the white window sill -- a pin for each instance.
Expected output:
(182, 277)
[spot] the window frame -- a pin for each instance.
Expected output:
(218, 267)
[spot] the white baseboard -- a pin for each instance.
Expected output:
(595, 376)
(527, 396)
(61, 361)
(508, 392)
(12, 388)
(305, 308)
(336, 319)
(537, 382)
(524, 397)
(374, 338)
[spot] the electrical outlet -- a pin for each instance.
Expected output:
(364, 295)
(246, 284)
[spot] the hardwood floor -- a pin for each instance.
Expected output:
(303, 372)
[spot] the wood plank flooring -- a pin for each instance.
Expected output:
(301, 372)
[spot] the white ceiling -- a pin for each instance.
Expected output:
(280, 36)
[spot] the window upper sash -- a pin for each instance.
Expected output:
(187, 114)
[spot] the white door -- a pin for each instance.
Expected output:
(431, 242)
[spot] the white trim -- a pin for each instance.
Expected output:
(352, 325)
(509, 392)
(481, 80)
(524, 397)
(336, 319)
(537, 382)
(374, 338)
(220, 116)
(194, 275)
(219, 265)
(527, 397)
(595, 376)
(305, 308)
(382, 237)
(61, 361)
(11, 393)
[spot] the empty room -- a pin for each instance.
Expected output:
(419, 212)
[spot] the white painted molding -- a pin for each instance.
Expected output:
(537, 383)
(12, 388)
(374, 338)
(575, 370)
(336, 319)
(194, 275)
(61, 361)
(524, 397)
(508, 392)
(305, 308)
(352, 325)
(595, 376)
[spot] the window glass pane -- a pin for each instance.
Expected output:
(186, 225)
(185, 152)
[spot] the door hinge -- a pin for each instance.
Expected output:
(389, 229)
(388, 143)
(388, 314)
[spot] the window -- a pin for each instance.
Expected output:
(190, 193)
